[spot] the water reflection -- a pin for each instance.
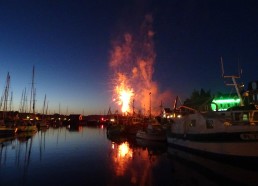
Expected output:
(134, 160)
(74, 128)
(153, 147)
(122, 154)
(191, 168)
(86, 156)
(16, 150)
(25, 136)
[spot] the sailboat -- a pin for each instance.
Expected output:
(29, 124)
(42, 124)
(154, 131)
(6, 130)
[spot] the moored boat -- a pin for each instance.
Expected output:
(133, 124)
(115, 129)
(220, 133)
(231, 134)
(7, 131)
(42, 124)
(26, 126)
(6, 122)
(153, 131)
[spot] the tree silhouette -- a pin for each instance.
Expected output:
(199, 100)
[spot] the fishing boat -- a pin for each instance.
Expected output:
(153, 131)
(133, 124)
(231, 135)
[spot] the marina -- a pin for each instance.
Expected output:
(85, 155)
(130, 148)
(128, 93)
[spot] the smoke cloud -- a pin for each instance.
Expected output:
(132, 65)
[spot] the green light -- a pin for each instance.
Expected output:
(224, 104)
(227, 101)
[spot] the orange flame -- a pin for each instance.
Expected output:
(132, 60)
(124, 95)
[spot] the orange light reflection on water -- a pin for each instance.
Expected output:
(121, 157)
(124, 150)
(136, 162)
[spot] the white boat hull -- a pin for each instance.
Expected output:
(241, 149)
(212, 133)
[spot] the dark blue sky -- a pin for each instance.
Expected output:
(69, 43)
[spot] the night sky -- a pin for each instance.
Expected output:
(70, 43)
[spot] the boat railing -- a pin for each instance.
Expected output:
(239, 117)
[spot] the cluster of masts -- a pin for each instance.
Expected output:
(5, 98)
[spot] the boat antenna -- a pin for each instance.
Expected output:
(233, 77)
(222, 67)
(239, 69)
(32, 90)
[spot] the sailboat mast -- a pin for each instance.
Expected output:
(25, 104)
(44, 105)
(32, 92)
(33, 106)
(11, 102)
(59, 109)
(6, 94)
(47, 108)
(24, 100)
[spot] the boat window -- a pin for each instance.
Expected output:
(209, 124)
(245, 117)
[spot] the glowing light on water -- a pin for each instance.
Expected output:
(122, 156)
(124, 150)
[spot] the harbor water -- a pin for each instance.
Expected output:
(85, 155)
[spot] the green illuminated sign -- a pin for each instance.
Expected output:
(224, 104)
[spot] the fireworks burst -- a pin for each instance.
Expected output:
(124, 93)
(132, 62)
